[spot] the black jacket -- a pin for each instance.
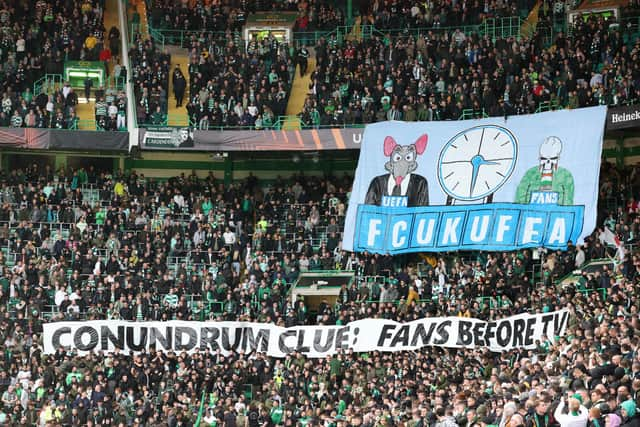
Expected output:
(631, 421)
(417, 191)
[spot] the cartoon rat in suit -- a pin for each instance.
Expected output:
(400, 187)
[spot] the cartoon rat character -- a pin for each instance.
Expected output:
(400, 187)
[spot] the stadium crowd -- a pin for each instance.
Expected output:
(441, 75)
(38, 38)
(233, 86)
(36, 41)
(150, 73)
(191, 17)
(87, 245)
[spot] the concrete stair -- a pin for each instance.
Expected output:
(529, 25)
(177, 116)
(87, 115)
(85, 110)
(299, 91)
(140, 7)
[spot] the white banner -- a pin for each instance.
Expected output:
(495, 184)
(520, 331)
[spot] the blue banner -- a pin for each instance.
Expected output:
(490, 184)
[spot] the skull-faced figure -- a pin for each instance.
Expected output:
(550, 151)
(547, 182)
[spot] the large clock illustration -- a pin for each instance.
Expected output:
(475, 163)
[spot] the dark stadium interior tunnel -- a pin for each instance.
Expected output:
(100, 164)
(22, 161)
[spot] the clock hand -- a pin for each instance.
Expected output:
(476, 162)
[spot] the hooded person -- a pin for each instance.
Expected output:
(612, 420)
(578, 415)
(628, 414)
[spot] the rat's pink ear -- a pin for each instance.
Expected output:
(389, 145)
(421, 144)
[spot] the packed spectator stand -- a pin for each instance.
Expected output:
(80, 245)
(450, 75)
(416, 62)
(194, 16)
(234, 87)
(234, 83)
(37, 39)
(87, 244)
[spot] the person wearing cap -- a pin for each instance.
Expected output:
(577, 416)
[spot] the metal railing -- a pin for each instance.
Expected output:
(471, 113)
(501, 27)
(183, 38)
(48, 84)
(280, 123)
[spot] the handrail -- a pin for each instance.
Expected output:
(278, 124)
(174, 37)
(471, 113)
(46, 82)
(503, 27)
(131, 99)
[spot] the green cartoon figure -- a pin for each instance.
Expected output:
(547, 183)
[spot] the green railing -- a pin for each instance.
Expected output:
(470, 113)
(551, 105)
(492, 27)
(48, 83)
(279, 124)
(504, 27)
(115, 83)
(89, 124)
(312, 37)
(182, 38)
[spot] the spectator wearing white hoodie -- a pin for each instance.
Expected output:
(578, 415)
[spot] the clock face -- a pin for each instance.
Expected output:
(477, 162)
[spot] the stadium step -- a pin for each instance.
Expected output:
(529, 24)
(85, 110)
(86, 113)
(299, 91)
(290, 123)
(177, 116)
(111, 20)
(356, 31)
(140, 7)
